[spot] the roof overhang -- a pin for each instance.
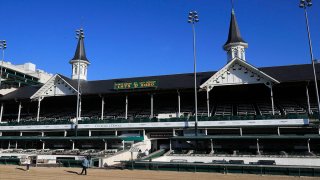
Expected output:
(55, 86)
(238, 72)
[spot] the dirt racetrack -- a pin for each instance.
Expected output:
(37, 173)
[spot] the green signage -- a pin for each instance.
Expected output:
(135, 85)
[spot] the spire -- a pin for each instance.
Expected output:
(80, 62)
(235, 45)
(80, 53)
(234, 31)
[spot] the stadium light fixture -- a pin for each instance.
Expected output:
(79, 35)
(304, 4)
(3, 46)
(192, 19)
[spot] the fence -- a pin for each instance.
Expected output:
(224, 168)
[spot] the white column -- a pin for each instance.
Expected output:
(211, 143)
(206, 131)
(1, 112)
(173, 132)
(309, 145)
(9, 145)
(102, 107)
(308, 99)
(143, 132)
(38, 113)
(65, 133)
(20, 133)
(126, 115)
(279, 131)
(208, 102)
(122, 144)
(89, 133)
(19, 112)
(272, 103)
(179, 106)
(105, 145)
(72, 145)
(240, 131)
(0, 133)
(43, 144)
(258, 147)
(80, 103)
(151, 105)
(170, 145)
(116, 133)
(42, 133)
(16, 146)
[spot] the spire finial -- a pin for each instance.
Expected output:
(232, 6)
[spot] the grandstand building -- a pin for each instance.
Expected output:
(245, 113)
(15, 76)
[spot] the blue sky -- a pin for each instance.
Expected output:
(130, 38)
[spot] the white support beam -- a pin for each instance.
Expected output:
(1, 112)
(38, 112)
(122, 144)
(105, 145)
(279, 133)
(151, 106)
(89, 133)
(43, 145)
(308, 99)
(211, 145)
(240, 131)
(16, 146)
(72, 145)
(42, 134)
(21, 133)
(206, 131)
(19, 111)
(208, 102)
(308, 145)
(170, 144)
(9, 145)
(272, 103)
(116, 133)
(80, 107)
(143, 132)
(102, 107)
(0, 133)
(126, 113)
(173, 132)
(258, 147)
(65, 133)
(179, 105)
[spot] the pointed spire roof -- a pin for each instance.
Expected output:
(80, 53)
(234, 31)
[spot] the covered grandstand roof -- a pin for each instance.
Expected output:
(21, 93)
(291, 73)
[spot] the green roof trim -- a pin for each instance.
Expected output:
(310, 136)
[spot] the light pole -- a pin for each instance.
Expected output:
(3, 46)
(193, 18)
(304, 4)
(79, 35)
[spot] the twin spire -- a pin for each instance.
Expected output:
(235, 45)
(80, 53)
(80, 61)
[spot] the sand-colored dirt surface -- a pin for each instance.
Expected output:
(37, 173)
